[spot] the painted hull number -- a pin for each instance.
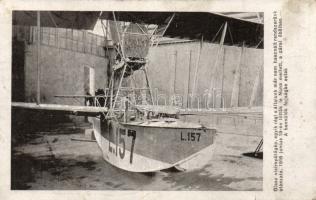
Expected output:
(120, 143)
(190, 136)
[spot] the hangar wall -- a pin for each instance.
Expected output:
(165, 57)
(62, 73)
(64, 55)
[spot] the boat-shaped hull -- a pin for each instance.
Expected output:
(153, 146)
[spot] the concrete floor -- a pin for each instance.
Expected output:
(49, 160)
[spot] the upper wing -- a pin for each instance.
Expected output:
(189, 25)
(194, 25)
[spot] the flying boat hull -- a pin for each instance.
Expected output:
(154, 145)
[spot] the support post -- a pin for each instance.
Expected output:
(148, 85)
(167, 26)
(111, 89)
(223, 76)
(126, 110)
(255, 88)
(173, 96)
(189, 79)
(221, 44)
(119, 37)
(236, 84)
(197, 67)
(38, 58)
(175, 72)
(119, 87)
(223, 69)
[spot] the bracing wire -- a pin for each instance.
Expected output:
(230, 34)
(215, 36)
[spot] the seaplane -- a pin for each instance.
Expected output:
(140, 137)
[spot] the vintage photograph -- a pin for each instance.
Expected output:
(126, 100)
